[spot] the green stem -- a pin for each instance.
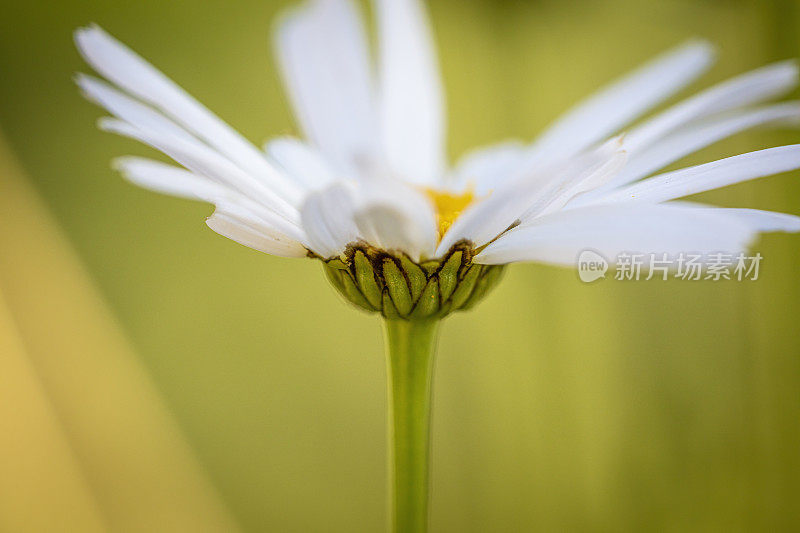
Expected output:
(410, 348)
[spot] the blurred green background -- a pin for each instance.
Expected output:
(258, 399)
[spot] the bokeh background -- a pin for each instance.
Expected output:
(157, 377)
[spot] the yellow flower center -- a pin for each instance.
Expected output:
(448, 206)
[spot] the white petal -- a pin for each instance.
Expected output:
(749, 88)
(167, 179)
(327, 217)
(141, 118)
(765, 221)
(393, 216)
(300, 162)
(696, 136)
(485, 169)
(758, 220)
(614, 229)
(323, 52)
(411, 100)
(119, 64)
(684, 182)
(204, 161)
(128, 109)
(623, 101)
(242, 227)
(566, 189)
(383, 212)
(526, 195)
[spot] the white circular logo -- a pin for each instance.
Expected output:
(591, 266)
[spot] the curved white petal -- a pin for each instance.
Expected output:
(129, 109)
(300, 162)
(167, 179)
(327, 217)
(411, 100)
(752, 87)
(527, 195)
(764, 221)
(393, 216)
(488, 168)
(386, 214)
(324, 58)
(687, 181)
(204, 161)
(566, 189)
(122, 66)
(622, 102)
(757, 219)
(142, 118)
(696, 136)
(174, 181)
(241, 226)
(614, 229)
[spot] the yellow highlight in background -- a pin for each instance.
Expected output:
(85, 442)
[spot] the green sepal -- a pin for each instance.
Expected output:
(365, 276)
(448, 275)
(416, 276)
(491, 277)
(334, 275)
(351, 292)
(428, 303)
(337, 264)
(466, 286)
(398, 287)
(431, 267)
(389, 309)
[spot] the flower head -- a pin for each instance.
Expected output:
(369, 188)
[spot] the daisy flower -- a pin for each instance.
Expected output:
(370, 178)
(369, 192)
